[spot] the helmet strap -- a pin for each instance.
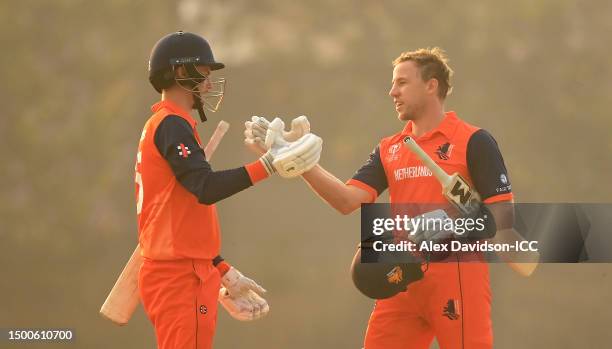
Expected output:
(197, 104)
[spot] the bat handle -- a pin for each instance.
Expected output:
(437, 171)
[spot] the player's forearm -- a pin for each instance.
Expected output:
(332, 190)
(522, 262)
(211, 186)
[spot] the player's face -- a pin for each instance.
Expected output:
(408, 91)
(211, 90)
(205, 85)
(203, 81)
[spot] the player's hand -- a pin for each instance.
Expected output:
(238, 285)
(487, 227)
(255, 134)
(300, 126)
(290, 159)
(432, 228)
(246, 307)
(484, 227)
(256, 130)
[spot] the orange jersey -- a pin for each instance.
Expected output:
(454, 145)
(172, 224)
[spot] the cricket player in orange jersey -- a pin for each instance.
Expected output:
(176, 191)
(452, 300)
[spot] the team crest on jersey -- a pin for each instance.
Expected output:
(444, 151)
(393, 152)
(183, 150)
(395, 276)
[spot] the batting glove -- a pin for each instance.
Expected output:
(239, 285)
(256, 130)
(438, 233)
(290, 159)
(247, 307)
(435, 219)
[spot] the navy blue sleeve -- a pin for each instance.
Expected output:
(176, 142)
(372, 172)
(486, 165)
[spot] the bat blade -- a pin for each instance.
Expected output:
(455, 188)
(460, 194)
(123, 298)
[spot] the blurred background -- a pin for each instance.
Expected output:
(75, 96)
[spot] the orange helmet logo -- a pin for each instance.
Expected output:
(395, 276)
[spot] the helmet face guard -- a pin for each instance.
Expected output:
(211, 98)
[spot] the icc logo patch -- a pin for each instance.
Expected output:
(394, 149)
(393, 152)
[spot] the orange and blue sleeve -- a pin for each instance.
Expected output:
(487, 168)
(371, 176)
(176, 141)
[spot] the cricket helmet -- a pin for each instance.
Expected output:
(383, 280)
(188, 50)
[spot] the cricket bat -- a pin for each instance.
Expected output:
(123, 297)
(454, 187)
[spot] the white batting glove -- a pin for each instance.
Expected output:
(256, 129)
(290, 159)
(255, 134)
(300, 126)
(247, 307)
(239, 285)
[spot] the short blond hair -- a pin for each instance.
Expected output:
(433, 64)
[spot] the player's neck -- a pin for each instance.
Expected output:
(177, 97)
(428, 120)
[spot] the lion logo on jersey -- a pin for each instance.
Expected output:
(395, 276)
(452, 309)
(444, 151)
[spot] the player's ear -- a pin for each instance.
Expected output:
(180, 72)
(432, 86)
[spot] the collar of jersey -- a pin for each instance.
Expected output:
(174, 109)
(446, 127)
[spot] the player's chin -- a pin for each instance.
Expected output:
(404, 116)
